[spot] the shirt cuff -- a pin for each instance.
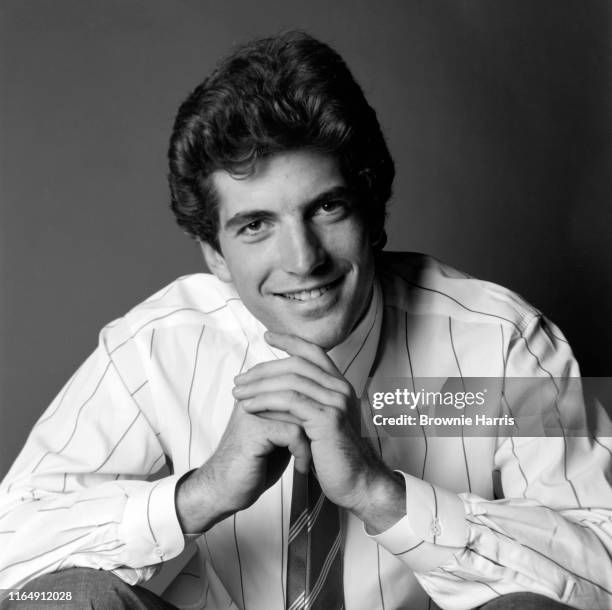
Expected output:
(433, 529)
(150, 527)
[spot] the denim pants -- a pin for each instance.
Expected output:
(100, 590)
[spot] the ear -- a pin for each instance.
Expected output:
(378, 238)
(215, 261)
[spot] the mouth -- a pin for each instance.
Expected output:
(310, 294)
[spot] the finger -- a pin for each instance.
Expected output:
(295, 364)
(289, 402)
(297, 346)
(282, 416)
(290, 382)
(292, 437)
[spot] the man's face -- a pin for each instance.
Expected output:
(294, 243)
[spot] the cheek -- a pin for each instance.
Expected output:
(249, 272)
(351, 239)
(354, 247)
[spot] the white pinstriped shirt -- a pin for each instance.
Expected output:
(158, 389)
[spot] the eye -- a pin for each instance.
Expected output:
(253, 227)
(333, 206)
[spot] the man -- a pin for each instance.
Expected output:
(279, 169)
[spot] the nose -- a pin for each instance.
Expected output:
(301, 250)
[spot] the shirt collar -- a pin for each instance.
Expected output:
(354, 357)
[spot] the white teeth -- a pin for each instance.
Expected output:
(306, 295)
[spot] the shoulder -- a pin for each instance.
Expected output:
(422, 285)
(184, 305)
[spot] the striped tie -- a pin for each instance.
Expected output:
(314, 558)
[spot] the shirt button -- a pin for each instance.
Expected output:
(436, 527)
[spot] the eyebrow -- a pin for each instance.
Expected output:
(244, 218)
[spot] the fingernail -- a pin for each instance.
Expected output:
(246, 403)
(237, 391)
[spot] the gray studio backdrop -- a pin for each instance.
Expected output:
(498, 114)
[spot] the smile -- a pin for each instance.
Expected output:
(309, 295)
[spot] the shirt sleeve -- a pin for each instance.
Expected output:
(77, 495)
(551, 534)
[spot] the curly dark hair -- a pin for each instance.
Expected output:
(275, 94)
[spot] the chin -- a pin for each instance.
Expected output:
(326, 338)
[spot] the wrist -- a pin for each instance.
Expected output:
(382, 503)
(197, 505)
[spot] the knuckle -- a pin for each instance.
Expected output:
(254, 368)
(335, 416)
(294, 432)
(294, 378)
(294, 396)
(300, 396)
(242, 404)
(298, 360)
(341, 402)
(317, 348)
(345, 387)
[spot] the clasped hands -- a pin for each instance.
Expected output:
(307, 390)
(302, 406)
